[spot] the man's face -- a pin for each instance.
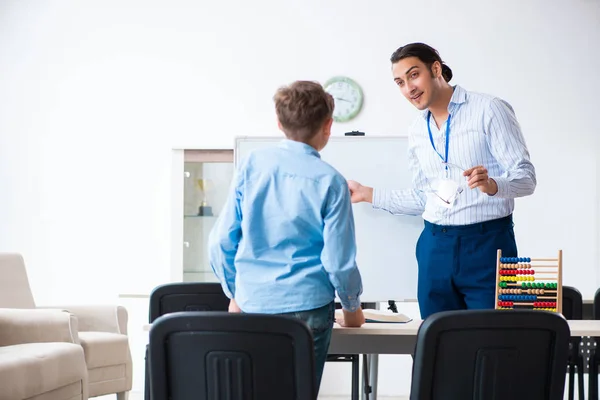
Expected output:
(416, 81)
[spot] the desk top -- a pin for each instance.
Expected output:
(578, 328)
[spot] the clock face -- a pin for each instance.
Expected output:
(348, 98)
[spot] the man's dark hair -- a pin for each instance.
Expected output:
(427, 54)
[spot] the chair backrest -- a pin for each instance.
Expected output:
(572, 305)
(15, 291)
(187, 296)
(596, 311)
(491, 355)
(224, 356)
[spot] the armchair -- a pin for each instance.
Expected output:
(102, 330)
(40, 356)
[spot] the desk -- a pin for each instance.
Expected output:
(374, 338)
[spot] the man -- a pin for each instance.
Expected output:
(464, 139)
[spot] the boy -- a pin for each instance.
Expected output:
(284, 242)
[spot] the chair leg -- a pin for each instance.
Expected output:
(593, 378)
(146, 377)
(580, 387)
(122, 395)
(571, 380)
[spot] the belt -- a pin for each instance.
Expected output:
(478, 227)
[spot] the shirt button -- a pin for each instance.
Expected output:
(444, 230)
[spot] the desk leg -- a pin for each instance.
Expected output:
(366, 385)
(369, 378)
(373, 373)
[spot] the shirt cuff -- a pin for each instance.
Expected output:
(503, 187)
(350, 303)
(229, 293)
(380, 197)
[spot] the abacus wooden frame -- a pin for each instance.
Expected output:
(558, 278)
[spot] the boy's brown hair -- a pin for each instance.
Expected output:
(302, 108)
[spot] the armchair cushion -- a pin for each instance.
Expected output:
(104, 349)
(31, 369)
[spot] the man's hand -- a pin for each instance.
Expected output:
(352, 319)
(233, 307)
(359, 192)
(477, 177)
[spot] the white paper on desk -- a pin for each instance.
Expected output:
(379, 316)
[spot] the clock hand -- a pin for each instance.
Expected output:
(339, 98)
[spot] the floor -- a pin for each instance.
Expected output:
(140, 396)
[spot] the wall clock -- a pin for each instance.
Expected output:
(348, 97)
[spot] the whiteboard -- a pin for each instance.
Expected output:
(385, 242)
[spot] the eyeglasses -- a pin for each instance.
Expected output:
(446, 190)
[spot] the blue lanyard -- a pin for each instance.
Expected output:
(447, 137)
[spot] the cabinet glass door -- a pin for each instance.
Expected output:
(208, 175)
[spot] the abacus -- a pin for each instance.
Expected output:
(529, 283)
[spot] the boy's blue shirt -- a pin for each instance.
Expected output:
(285, 239)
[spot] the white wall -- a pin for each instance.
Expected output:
(94, 95)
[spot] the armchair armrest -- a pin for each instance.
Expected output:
(20, 326)
(99, 318)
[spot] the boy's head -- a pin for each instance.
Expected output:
(304, 113)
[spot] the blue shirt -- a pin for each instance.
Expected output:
(285, 239)
(483, 131)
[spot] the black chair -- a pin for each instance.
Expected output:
(572, 308)
(224, 356)
(187, 296)
(594, 360)
(491, 354)
(183, 296)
